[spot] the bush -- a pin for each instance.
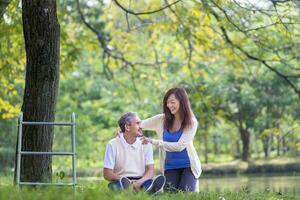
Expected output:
(274, 168)
(7, 158)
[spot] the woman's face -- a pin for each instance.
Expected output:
(173, 104)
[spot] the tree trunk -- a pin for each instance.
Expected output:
(245, 136)
(278, 144)
(216, 144)
(41, 32)
(284, 145)
(266, 146)
(238, 149)
(206, 147)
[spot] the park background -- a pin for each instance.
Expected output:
(238, 60)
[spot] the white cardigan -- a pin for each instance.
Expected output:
(156, 123)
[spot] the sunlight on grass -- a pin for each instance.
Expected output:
(97, 189)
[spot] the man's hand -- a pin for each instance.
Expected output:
(136, 184)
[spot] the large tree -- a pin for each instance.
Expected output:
(42, 38)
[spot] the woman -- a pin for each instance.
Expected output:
(176, 128)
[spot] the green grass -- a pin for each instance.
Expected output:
(95, 190)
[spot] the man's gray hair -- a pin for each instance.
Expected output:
(126, 119)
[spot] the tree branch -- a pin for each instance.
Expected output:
(146, 12)
(264, 62)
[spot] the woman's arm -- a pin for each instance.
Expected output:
(185, 139)
(153, 123)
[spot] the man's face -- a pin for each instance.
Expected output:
(134, 128)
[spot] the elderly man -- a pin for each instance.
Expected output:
(128, 162)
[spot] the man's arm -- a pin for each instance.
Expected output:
(109, 163)
(109, 175)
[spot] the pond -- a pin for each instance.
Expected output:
(285, 184)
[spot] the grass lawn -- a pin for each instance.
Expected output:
(98, 190)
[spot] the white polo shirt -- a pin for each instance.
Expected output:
(134, 156)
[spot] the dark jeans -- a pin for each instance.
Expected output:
(116, 185)
(180, 179)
